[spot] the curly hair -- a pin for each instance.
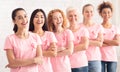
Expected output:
(51, 26)
(105, 5)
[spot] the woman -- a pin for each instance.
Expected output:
(23, 48)
(38, 25)
(111, 38)
(57, 24)
(95, 39)
(78, 59)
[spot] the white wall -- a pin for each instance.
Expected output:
(6, 7)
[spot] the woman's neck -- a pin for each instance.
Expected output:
(88, 23)
(74, 27)
(23, 34)
(106, 24)
(59, 30)
(39, 31)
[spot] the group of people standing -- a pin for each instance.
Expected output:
(47, 44)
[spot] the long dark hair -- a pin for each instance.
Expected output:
(31, 25)
(15, 28)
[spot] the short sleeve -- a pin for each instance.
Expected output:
(52, 37)
(85, 32)
(70, 36)
(8, 43)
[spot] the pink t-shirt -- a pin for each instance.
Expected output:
(109, 53)
(47, 38)
(23, 49)
(79, 59)
(93, 52)
(62, 63)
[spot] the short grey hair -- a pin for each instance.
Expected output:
(71, 9)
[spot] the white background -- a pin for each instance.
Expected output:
(6, 7)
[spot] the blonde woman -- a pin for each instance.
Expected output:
(95, 39)
(78, 59)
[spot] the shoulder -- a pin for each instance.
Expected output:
(84, 30)
(48, 32)
(68, 30)
(12, 36)
(33, 35)
(98, 26)
(81, 25)
(114, 27)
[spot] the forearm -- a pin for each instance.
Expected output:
(49, 53)
(64, 52)
(21, 62)
(68, 50)
(18, 62)
(104, 45)
(95, 43)
(111, 42)
(80, 47)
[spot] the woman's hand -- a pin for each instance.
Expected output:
(38, 60)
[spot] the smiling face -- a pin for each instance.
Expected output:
(72, 16)
(21, 19)
(39, 20)
(88, 12)
(57, 19)
(106, 14)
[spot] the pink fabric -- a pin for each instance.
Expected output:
(23, 49)
(62, 64)
(79, 59)
(47, 38)
(93, 52)
(109, 53)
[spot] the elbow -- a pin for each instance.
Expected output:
(117, 43)
(11, 64)
(12, 61)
